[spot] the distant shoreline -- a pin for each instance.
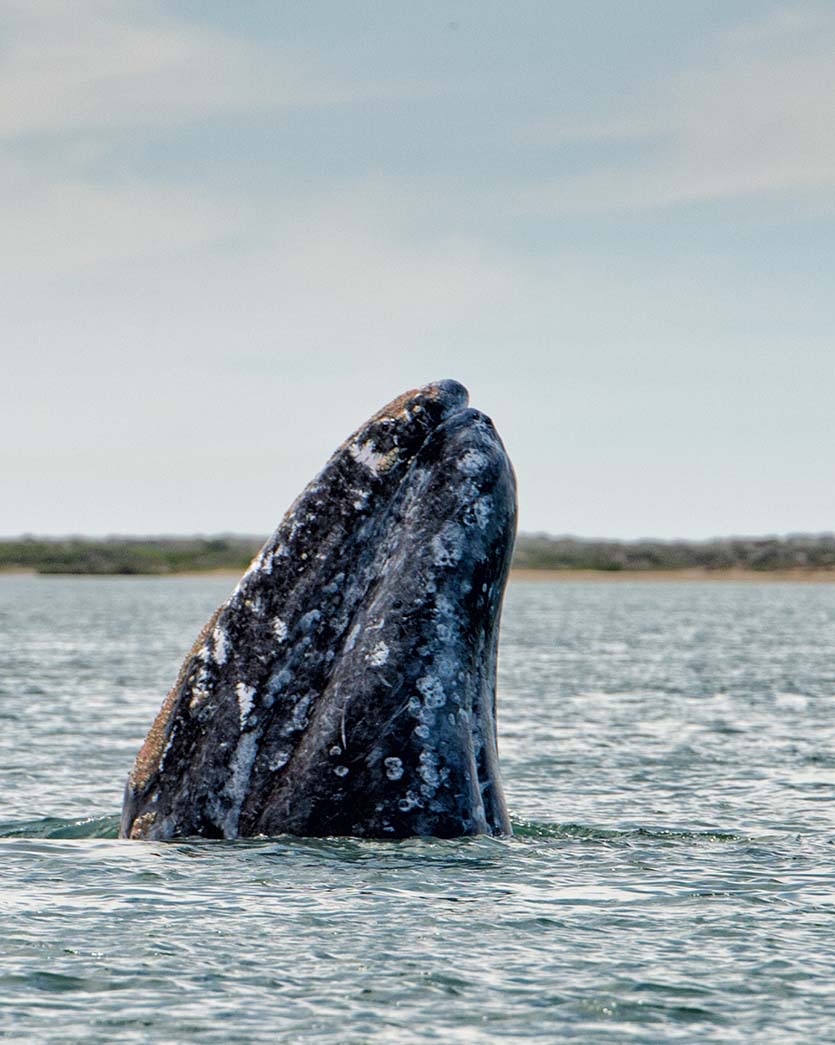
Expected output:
(527, 576)
(797, 575)
(798, 557)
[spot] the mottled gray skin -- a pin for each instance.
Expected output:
(348, 685)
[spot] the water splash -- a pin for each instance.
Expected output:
(523, 830)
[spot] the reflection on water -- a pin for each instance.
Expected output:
(668, 757)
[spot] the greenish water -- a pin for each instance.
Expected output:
(669, 762)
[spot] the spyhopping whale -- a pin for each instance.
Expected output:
(347, 687)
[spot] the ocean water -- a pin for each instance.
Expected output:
(669, 759)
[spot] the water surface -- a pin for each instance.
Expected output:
(669, 763)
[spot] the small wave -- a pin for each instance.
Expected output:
(54, 827)
(539, 829)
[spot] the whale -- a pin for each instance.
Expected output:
(348, 685)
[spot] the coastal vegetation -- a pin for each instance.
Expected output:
(128, 555)
(166, 555)
(795, 552)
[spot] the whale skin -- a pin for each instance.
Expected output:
(348, 685)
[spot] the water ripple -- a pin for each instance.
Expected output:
(668, 754)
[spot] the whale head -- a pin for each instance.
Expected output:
(347, 687)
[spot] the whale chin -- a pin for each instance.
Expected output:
(347, 687)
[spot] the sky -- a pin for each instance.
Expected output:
(231, 232)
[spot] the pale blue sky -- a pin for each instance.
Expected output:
(232, 231)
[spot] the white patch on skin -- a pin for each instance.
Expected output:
(471, 462)
(341, 770)
(411, 801)
(361, 498)
(199, 692)
(351, 641)
(245, 695)
(394, 768)
(363, 453)
(446, 666)
(279, 761)
(166, 749)
(432, 690)
(367, 456)
(279, 629)
(262, 563)
(426, 716)
(378, 656)
(483, 509)
(236, 786)
(221, 644)
(428, 769)
(279, 682)
(298, 717)
(448, 545)
(309, 619)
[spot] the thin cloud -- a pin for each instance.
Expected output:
(95, 65)
(753, 121)
(70, 225)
